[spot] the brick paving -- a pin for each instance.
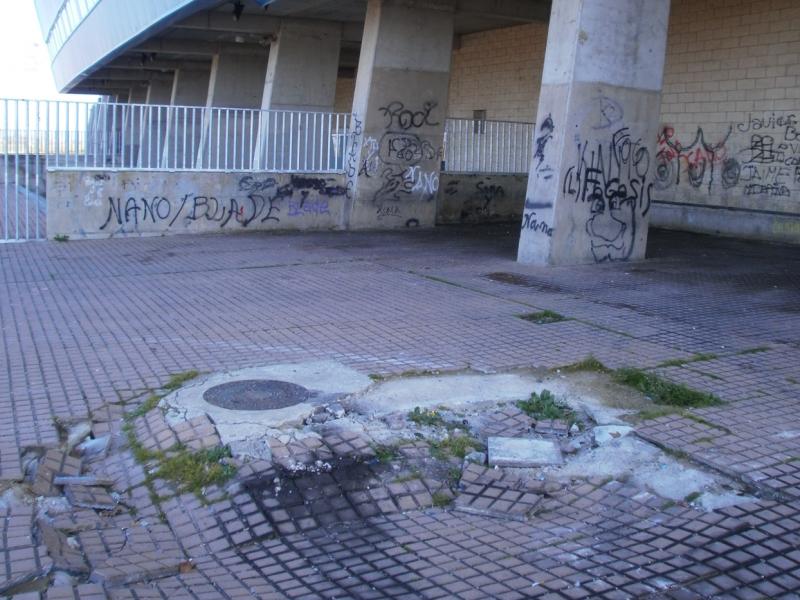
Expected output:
(87, 326)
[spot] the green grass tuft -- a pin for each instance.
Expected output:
(590, 363)
(385, 454)
(425, 416)
(60, 238)
(455, 446)
(194, 471)
(179, 379)
(543, 317)
(679, 362)
(441, 499)
(692, 497)
(662, 391)
(755, 350)
(545, 406)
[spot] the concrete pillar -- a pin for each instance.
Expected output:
(301, 76)
(303, 67)
(594, 163)
(159, 91)
(185, 121)
(394, 154)
(237, 78)
(236, 81)
(190, 87)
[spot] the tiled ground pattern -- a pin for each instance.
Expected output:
(85, 324)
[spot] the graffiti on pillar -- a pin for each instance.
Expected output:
(531, 221)
(611, 178)
(400, 117)
(401, 160)
(352, 155)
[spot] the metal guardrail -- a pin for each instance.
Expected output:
(482, 146)
(36, 135)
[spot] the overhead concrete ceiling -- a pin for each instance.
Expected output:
(191, 42)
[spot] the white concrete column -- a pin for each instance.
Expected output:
(236, 81)
(154, 118)
(185, 122)
(301, 76)
(190, 87)
(303, 66)
(237, 78)
(594, 163)
(394, 154)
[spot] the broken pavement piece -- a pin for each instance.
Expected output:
(552, 427)
(523, 452)
(603, 434)
(90, 497)
(479, 458)
(55, 462)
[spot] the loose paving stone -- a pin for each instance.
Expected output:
(55, 462)
(496, 501)
(523, 452)
(552, 427)
(127, 556)
(153, 433)
(604, 434)
(24, 560)
(509, 421)
(85, 496)
(198, 433)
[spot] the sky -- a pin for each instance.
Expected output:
(24, 60)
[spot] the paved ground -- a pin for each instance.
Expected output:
(85, 324)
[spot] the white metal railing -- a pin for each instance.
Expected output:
(481, 146)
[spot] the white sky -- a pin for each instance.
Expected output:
(24, 60)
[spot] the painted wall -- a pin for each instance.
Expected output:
(480, 198)
(99, 204)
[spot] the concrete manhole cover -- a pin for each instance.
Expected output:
(256, 394)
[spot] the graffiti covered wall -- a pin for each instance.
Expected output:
(97, 204)
(480, 198)
(744, 180)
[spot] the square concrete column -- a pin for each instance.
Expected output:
(394, 154)
(185, 121)
(301, 76)
(236, 81)
(154, 118)
(592, 173)
(303, 65)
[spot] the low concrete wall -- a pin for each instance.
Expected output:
(99, 204)
(480, 198)
(729, 222)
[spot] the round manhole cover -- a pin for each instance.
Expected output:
(256, 394)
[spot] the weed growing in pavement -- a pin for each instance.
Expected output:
(679, 362)
(545, 406)
(455, 446)
(590, 363)
(60, 238)
(425, 416)
(441, 499)
(662, 391)
(543, 317)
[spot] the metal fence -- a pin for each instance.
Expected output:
(482, 146)
(36, 135)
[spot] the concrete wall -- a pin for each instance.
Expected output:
(480, 198)
(99, 204)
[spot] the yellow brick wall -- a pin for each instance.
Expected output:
(731, 83)
(499, 71)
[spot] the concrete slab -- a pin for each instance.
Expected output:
(603, 434)
(245, 430)
(406, 393)
(523, 452)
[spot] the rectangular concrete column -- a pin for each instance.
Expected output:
(236, 81)
(594, 164)
(185, 122)
(394, 154)
(190, 87)
(301, 76)
(153, 135)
